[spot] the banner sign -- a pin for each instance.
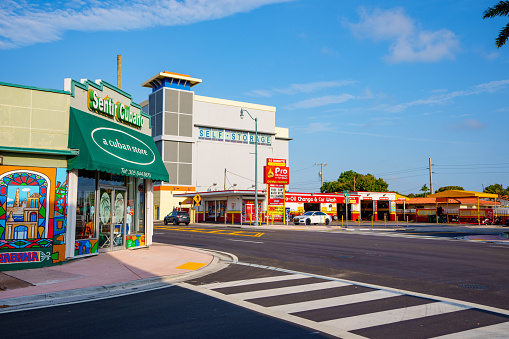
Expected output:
(276, 162)
(320, 198)
(275, 210)
(276, 175)
(276, 194)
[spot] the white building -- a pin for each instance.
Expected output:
(206, 146)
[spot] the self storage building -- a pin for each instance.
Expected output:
(206, 146)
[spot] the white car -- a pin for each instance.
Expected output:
(309, 218)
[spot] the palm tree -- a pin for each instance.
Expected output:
(500, 9)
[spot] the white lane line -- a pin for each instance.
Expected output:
(256, 242)
(287, 290)
(331, 302)
(393, 316)
(254, 281)
(498, 331)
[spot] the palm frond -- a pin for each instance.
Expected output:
(500, 9)
(502, 36)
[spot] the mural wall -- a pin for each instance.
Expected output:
(33, 216)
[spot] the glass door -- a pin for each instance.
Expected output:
(105, 215)
(119, 218)
(112, 208)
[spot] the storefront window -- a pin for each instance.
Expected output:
(135, 217)
(111, 179)
(85, 225)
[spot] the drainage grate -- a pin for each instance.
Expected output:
(474, 286)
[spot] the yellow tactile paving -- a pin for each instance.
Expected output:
(211, 231)
(191, 266)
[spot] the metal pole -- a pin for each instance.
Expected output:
(256, 171)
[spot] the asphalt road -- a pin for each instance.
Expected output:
(172, 312)
(468, 271)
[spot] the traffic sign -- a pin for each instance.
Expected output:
(197, 200)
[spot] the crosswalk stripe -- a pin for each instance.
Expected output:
(288, 290)
(254, 281)
(331, 302)
(393, 316)
(492, 332)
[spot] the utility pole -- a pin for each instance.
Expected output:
(430, 178)
(354, 184)
(119, 71)
(321, 173)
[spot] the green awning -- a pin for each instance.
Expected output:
(112, 148)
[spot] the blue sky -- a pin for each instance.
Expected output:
(370, 86)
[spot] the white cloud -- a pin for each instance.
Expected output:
(10, 199)
(26, 190)
(301, 88)
(28, 22)
(468, 124)
(316, 127)
(409, 42)
(321, 101)
(439, 99)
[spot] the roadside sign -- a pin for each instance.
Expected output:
(197, 200)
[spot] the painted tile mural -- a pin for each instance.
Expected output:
(135, 240)
(33, 215)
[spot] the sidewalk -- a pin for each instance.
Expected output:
(105, 273)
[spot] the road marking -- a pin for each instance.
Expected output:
(263, 310)
(210, 231)
(191, 266)
(393, 316)
(254, 281)
(254, 242)
(287, 290)
(331, 302)
(492, 332)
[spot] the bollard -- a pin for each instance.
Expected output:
(385, 221)
(359, 221)
(407, 221)
(341, 221)
(397, 221)
(225, 217)
(233, 217)
(240, 218)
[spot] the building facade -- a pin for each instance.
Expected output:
(76, 171)
(206, 146)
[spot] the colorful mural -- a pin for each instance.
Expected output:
(135, 240)
(85, 246)
(33, 214)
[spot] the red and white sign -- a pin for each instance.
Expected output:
(276, 175)
(276, 195)
(319, 198)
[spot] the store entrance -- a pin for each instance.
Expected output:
(112, 212)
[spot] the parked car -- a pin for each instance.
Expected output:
(309, 218)
(177, 217)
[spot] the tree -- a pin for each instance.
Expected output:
(497, 189)
(424, 189)
(448, 188)
(500, 9)
(353, 181)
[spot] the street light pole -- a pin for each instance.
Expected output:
(256, 223)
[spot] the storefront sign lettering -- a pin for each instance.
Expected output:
(123, 146)
(118, 110)
(16, 258)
